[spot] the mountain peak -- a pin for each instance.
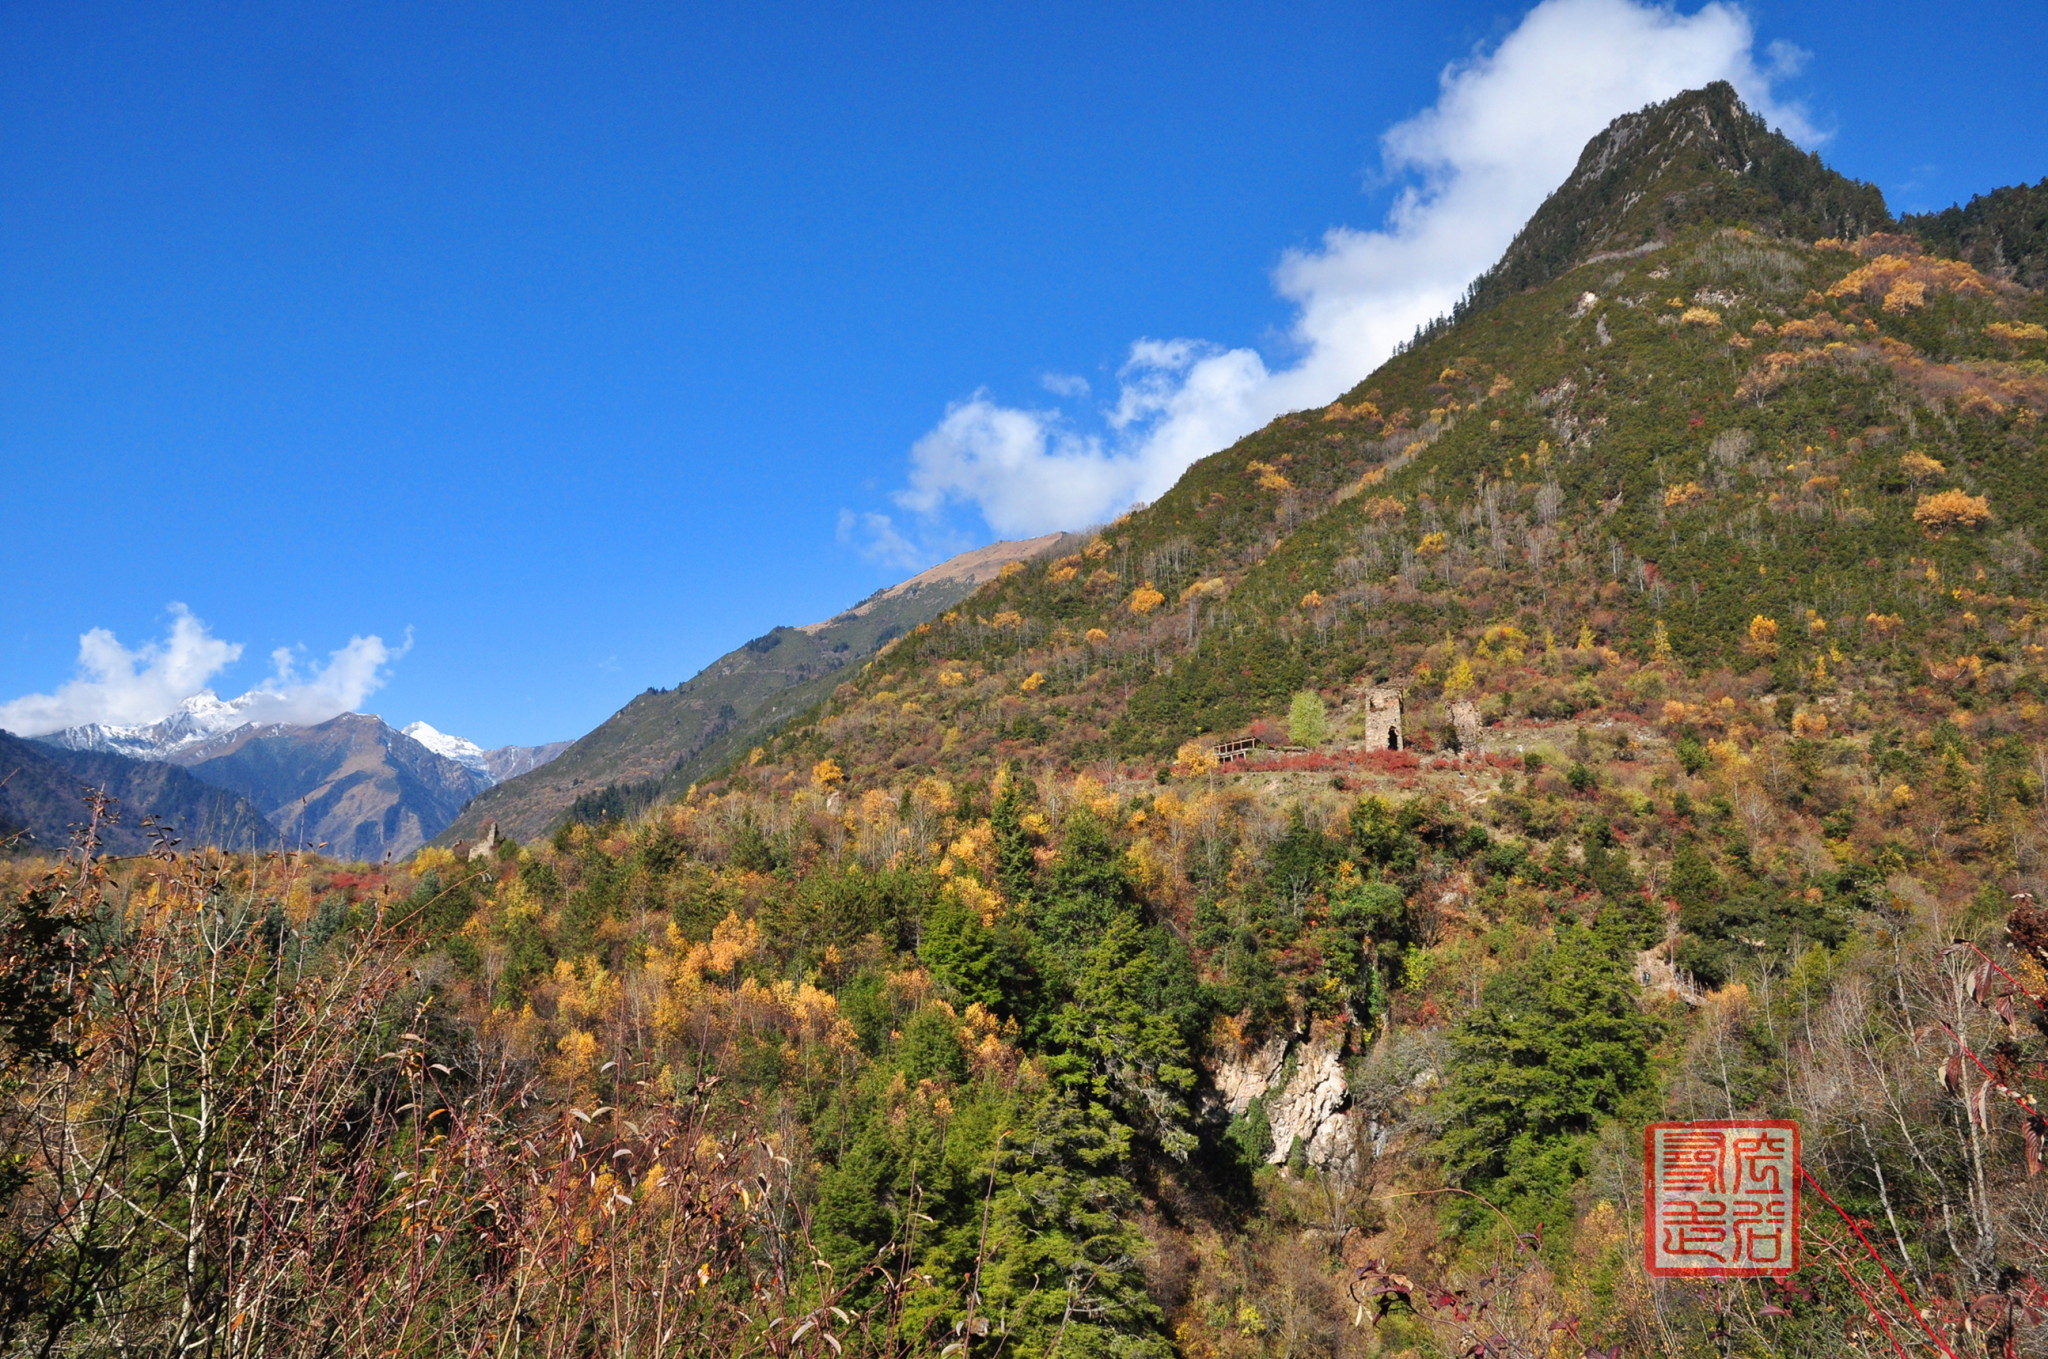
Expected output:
(197, 718)
(1698, 157)
(464, 752)
(971, 568)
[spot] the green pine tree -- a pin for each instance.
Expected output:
(1123, 1039)
(1016, 861)
(1062, 1275)
(1555, 1045)
(1086, 891)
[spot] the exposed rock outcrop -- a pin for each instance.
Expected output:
(1243, 1077)
(1301, 1082)
(1658, 977)
(1311, 1108)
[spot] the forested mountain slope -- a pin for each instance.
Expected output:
(981, 1011)
(2004, 232)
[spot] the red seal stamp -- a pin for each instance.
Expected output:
(1721, 1198)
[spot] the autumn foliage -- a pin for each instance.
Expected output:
(1947, 511)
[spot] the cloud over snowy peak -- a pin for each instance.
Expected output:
(1506, 128)
(119, 686)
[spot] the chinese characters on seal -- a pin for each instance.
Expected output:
(1721, 1198)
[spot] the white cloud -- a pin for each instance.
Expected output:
(116, 685)
(1069, 385)
(351, 674)
(120, 686)
(1507, 127)
(1023, 468)
(1785, 60)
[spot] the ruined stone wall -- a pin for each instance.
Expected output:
(1383, 719)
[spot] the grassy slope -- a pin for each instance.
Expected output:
(1542, 439)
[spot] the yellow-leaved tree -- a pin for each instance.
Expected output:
(1762, 640)
(1919, 467)
(1945, 511)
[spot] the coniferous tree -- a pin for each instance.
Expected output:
(1122, 1036)
(857, 1209)
(1555, 1045)
(1086, 891)
(1063, 1274)
(977, 963)
(1367, 928)
(1015, 861)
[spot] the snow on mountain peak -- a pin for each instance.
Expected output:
(182, 735)
(466, 753)
(196, 718)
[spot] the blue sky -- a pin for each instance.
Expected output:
(580, 343)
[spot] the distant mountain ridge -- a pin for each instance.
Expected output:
(42, 797)
(206, 718)
(357, 788)
(353, 784)
(198, 718)
(665, 739)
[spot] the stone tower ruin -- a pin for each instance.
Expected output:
(1383, 719)
(1466, 722)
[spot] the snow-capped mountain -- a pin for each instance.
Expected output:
(509, 762)
(491, 767)
(199, 718)
(352, 784)
(466, 753)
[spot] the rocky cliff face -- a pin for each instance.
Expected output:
(1300, 1082)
